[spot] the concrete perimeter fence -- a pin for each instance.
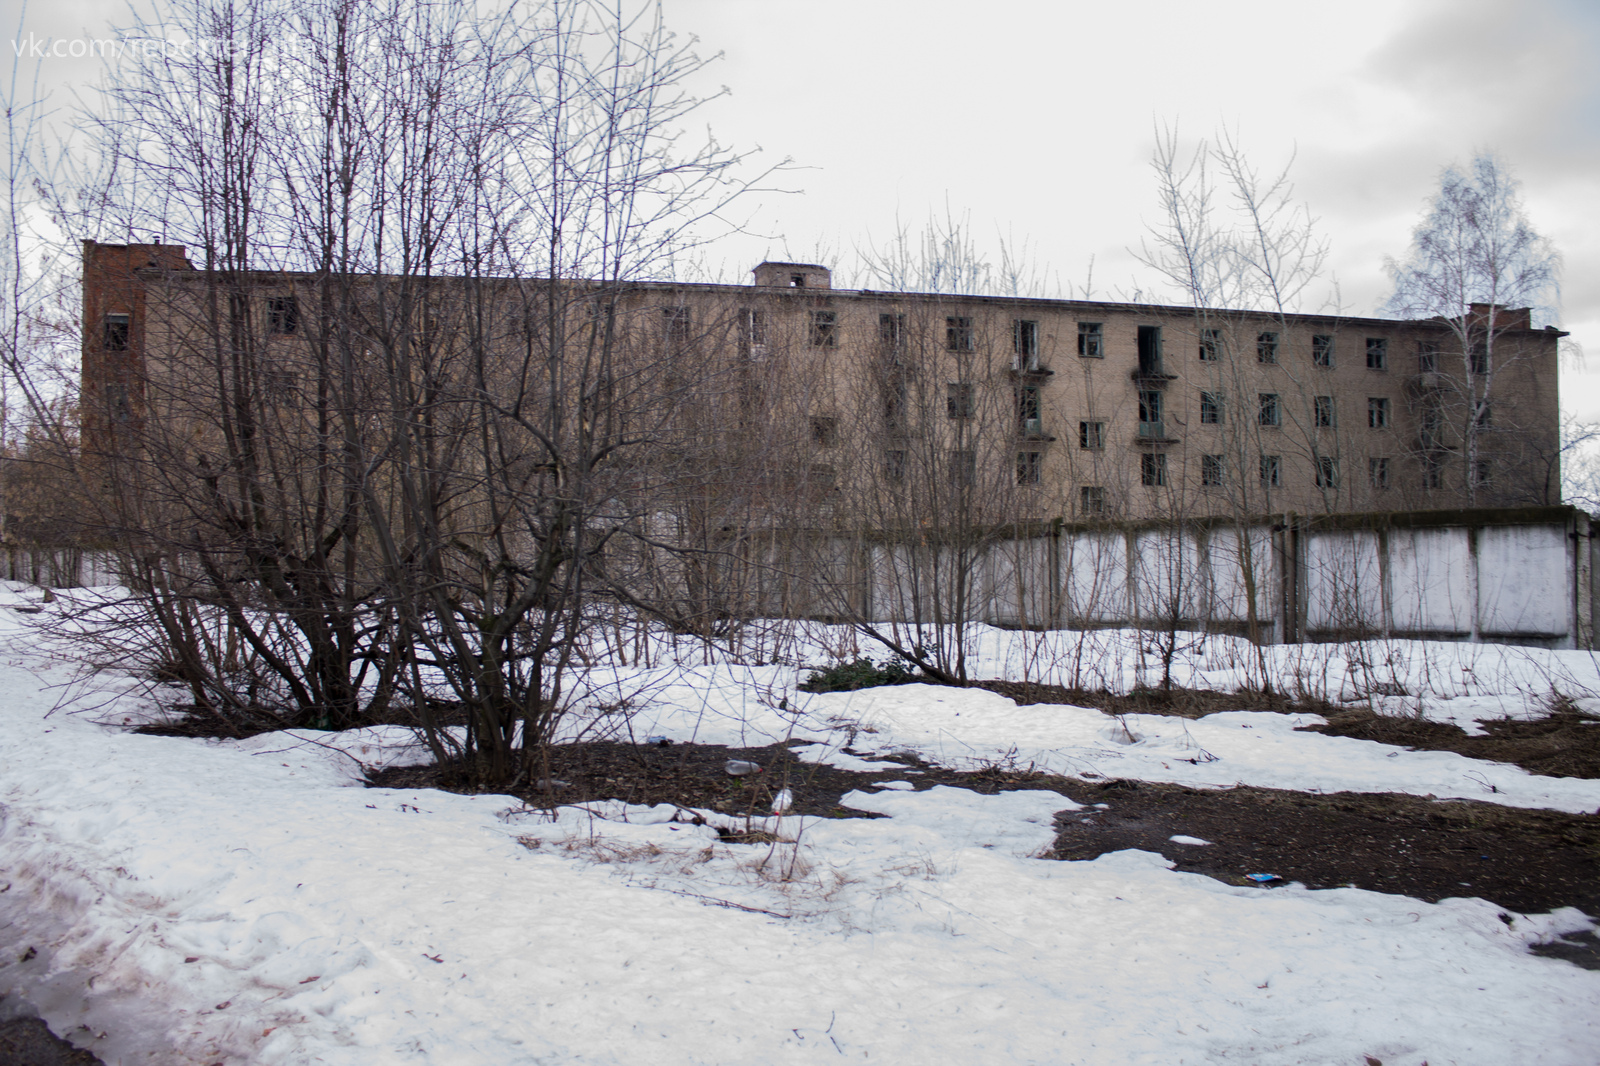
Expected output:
(1517, 575)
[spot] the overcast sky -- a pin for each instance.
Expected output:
(1035, 118)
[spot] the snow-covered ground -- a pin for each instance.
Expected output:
(202, 902)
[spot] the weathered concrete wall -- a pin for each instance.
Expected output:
(1521, 575)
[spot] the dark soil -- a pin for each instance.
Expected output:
(1524, 860)
(1563, 744)
(1179, 702)
(29, 1042)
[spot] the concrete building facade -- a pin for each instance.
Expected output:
(1043, 408)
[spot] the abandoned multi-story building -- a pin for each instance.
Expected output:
(1073, 409)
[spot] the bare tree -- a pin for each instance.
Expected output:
(1478, 266)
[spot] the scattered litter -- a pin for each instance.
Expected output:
(1182, 839)
(899, 786)
(739, 768)
(1263, 879)
(658, 742)
(782, 802)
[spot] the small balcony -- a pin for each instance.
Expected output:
(1154, 433)
(1032, 429)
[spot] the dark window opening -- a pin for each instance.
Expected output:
(959, 401)
(892, 335)
(1271, 467)
(1378, 473)
(1210, 345)
(1091, 435)
(1091, 341)
(1030, 423)
(825, 431)
(1211, 471)
(1482, 472)
(1092, 500)
(1480, 357)
(1267, 414)
(1427, 357)
(1211, 408)
(958, 334)
(1482, 414)
(894, 466)
(824, 329)
(283, 314)
(1029, 467)
(1322, 351)
(1153, 469)
(1149, 349)
(1327, 472)
(116, 333)
(797, 281)
(1266, 347)
(1377, 353)
(1025, 344)
(895, 407)
(1322, 409)
(1377, 412)
(752, 332)
(1150, 413)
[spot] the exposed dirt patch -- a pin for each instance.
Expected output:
(1178, 702)
(1525, 860)
(1564, 744)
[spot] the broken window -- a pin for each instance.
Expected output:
(1327, 472)
(1211, 471)
(1029, 467)
(1427, 357)
(892, 335)
(283, 314)
(1377, 353)
(1271, 467)
(1091, 435)
(958, 334)
(1025, 345)
(1377, 412)
(115, 337)
(1267, 413)
(752, 333)
(1266, 347)
(1029, 421)
(1150, 405)
(1322, 351)
(1153, 469)
(1480, 357)
(959, 401)
(1378, 473)
(824, 329)
(1322, 410)
(1210, 345)
(1211, 408)
(1092, 500)
(1091, 341)
(1150, 349)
